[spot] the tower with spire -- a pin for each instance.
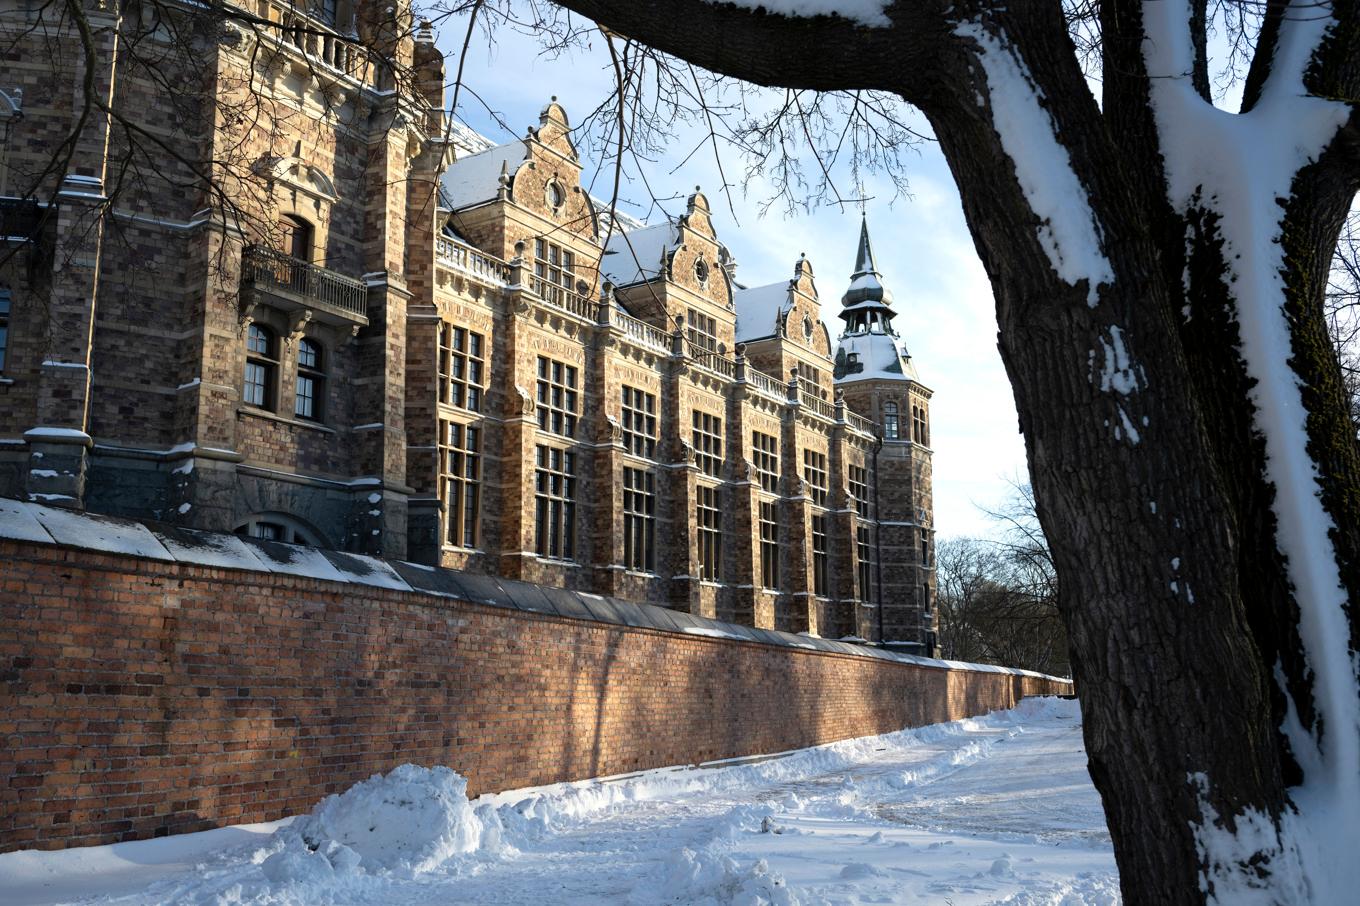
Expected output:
(876, 376)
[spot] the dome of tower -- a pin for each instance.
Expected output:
(870, 348)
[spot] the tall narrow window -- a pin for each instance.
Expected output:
(820, 582)
(925, 548)
(309, 401)
(462, 367)
(460, 466)
(702, 332)
(639, 520)
(554, 270)
(4, 327)
(918, 425)
(708, 446)
(890, 430)
(769, 544)
(864, 552)
(859, 489)
(765, 452)
(639, 422)
(262, 364)
(297, 237)
(556, 397)
(709, 517)
(555, 501)
(814, 473)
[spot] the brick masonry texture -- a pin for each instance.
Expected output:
(145, 699)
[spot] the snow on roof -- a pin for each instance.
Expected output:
(476, 178)
(466, 139)
(760, 307)
(879, 357)
(636, 256)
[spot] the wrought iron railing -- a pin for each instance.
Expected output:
(770, 386)
(273, 270)
(643, 332)
(457, 255)
(816, 403)
(19, 218)
(717, 362)
(562, 297)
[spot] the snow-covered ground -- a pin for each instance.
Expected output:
(997, 809)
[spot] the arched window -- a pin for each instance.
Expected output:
(297, 237)
(310, 398)
(262, 363)
(890, 421)
(920, 434)
(278, 527)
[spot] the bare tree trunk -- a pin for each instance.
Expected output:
(1144, 426)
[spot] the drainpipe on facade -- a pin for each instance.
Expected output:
(878, 542)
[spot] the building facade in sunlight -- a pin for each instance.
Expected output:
(388, 336)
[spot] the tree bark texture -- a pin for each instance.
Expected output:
(1174, 588)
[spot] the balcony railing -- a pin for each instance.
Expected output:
(19, 218)
(770, 386)
(860, 423)
(283, 274)
(643, 332)
(718, 363)
(816, 403)
(453, 254)
(310, 32)
(563, 298)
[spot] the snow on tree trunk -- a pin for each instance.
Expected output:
(1238, 166)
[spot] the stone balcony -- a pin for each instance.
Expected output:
(287, 283)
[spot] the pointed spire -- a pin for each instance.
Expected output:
(866, 289)
(864, 261)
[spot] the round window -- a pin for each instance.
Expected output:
(701, 270)
(807, 328)
(556, 197)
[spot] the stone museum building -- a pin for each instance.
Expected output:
(378, 332)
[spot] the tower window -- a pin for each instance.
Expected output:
(919, 429)
(890, 430)
(262, 364)
(309, 401)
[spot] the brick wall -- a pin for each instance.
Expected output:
(146, 698)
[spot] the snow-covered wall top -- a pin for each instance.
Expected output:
(30, 522)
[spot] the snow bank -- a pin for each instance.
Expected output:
(405, 824)
(707, 878)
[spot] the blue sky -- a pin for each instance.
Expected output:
(943, 300)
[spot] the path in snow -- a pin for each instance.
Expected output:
(992, 810)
